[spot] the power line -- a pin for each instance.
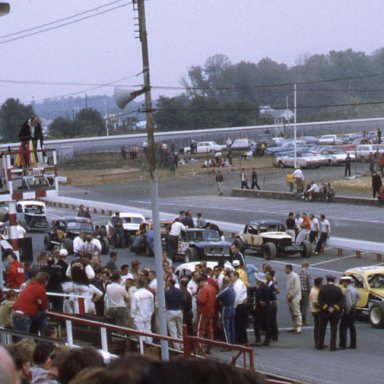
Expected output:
(64, 24)
(59, 20)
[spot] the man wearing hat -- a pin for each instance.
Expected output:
(349, 314)
(262, 309)
(331, 301)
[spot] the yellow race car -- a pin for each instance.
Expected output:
(369, 282)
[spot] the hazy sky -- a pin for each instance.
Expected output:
(103, 49)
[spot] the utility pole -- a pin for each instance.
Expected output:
(153, 178)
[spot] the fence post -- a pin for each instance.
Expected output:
(104, 339)
(68, 325)
(186, 342)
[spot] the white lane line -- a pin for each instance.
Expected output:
(299, 265)
(333, 260)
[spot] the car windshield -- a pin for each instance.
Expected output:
(133, 220)
(272, 228)
(77, 227)
(37, 209)
(211, 235)
(376, 281)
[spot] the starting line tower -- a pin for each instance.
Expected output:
(26, 183)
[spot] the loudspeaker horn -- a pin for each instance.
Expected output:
(123, 96)
(4, 8)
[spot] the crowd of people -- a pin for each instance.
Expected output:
(48, 363)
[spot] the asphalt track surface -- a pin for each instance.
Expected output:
(293, 354)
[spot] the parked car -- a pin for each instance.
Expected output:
(203, 244)
(206, 147)
(336, 156)
(32, 215)
(369, 283)
(363, 151)
(348, 138)
(303, 159)
(131, 224)
(64, 230)
(287, 145)
(244, 144)
(270, 239)
(330, 140)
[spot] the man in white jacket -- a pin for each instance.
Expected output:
(293, 298)
(142, 308)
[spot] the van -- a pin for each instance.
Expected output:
(362, 151)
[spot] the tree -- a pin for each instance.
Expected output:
(62, 127)
(12, 115)
(89, 122)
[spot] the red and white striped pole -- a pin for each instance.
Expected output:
(13, 227)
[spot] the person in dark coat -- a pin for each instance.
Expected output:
(376, 184)
(331, 302)
(31, 143)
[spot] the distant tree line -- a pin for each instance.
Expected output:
(338, 85)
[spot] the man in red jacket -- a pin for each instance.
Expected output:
(206, 300)
(30, 308)
(15, 274)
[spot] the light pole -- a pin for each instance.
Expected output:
(4, 9)
(121, 101)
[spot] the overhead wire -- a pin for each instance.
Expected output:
(64, 24)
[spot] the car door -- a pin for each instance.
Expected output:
(252, 236)
(362, 288)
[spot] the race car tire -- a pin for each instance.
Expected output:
(376, 315)
(307, 249)
(269, 251)
(190, 255)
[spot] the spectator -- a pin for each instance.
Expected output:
(205, 300)
(244, 179)
(118, 231)
(306, 285)
(6, 309)
(226, 298)
(219, 182)
(75, 361)
(116, 298)
(290, 180)
(112, 262)
(299, 179)
(376, 184)
(293, 298)
(42, 363)
(8, 373)
(174, 302)
(142, 308)
(30, 307)
(83, 212)
(15, 273)
(241, 313)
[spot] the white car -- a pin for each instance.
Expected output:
(330, 140)
(131, 222)
(336, 157)
(206, 147)
(304, 160)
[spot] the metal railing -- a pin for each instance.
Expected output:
(191, 345)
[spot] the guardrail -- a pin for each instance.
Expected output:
(341, 243)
